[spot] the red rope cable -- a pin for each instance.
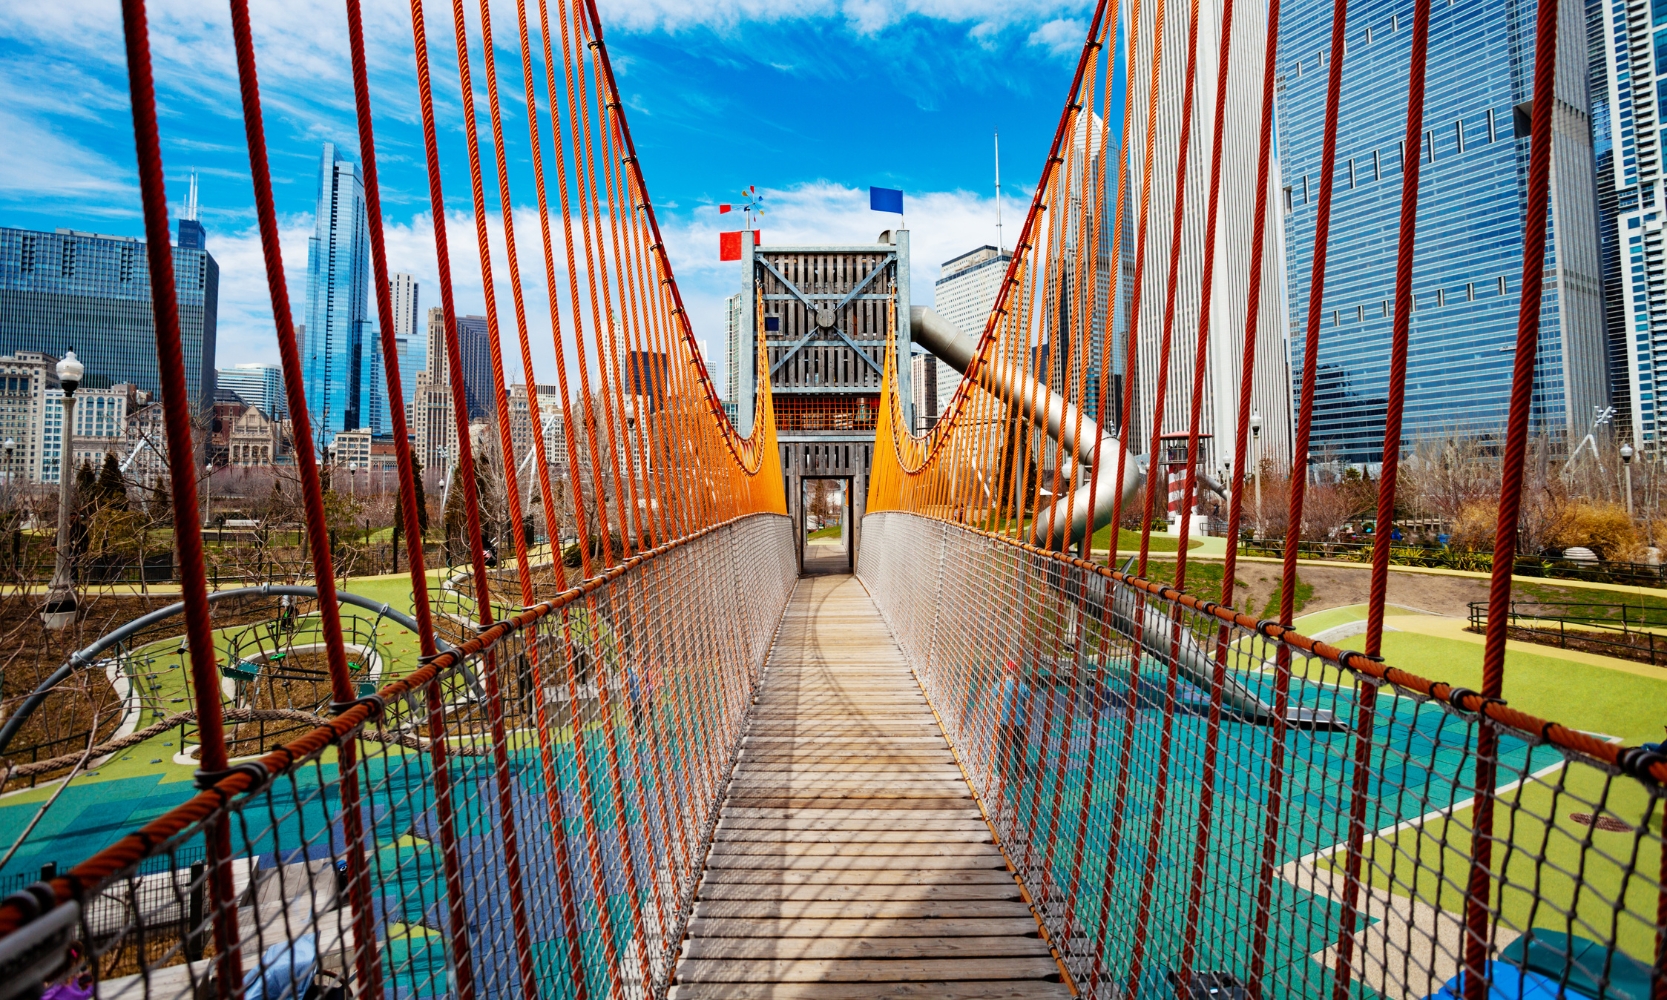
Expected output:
(1206, 295)
(182, 475)
(1298, 486)
(465, 467)
(366, 963)
(1366, 692)
(1479, 891)
(1160, 798)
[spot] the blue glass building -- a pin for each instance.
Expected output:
(1467, 268)
(475, 347)
(67, 289)
(1627, 45)
(342, 357)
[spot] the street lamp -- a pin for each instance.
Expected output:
(60, 597)
(1626, 463)
(1256, 465)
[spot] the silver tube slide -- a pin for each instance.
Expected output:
(1050, 412)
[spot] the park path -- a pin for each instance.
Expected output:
(850, 859)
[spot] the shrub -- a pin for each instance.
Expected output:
(1605, 528)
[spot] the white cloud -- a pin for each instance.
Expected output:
(942, 225)
(1061, 37)
(866, 16)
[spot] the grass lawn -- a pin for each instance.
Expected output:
(1129, 541)
(1534, 819)
(830, 531)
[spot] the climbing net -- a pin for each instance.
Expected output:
(523, 812)
(1199, 800)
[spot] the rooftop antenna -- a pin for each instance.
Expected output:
(1001, 244)
(191, 199)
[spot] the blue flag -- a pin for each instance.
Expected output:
(885, 200)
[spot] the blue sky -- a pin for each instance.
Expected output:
(810, 100)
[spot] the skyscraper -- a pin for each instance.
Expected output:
(1627, 113)
(733, 348)
(258, 385)
(475, 348)
(69, 290)
(342, 359)
(1467, 266)
(964, 294)
(1270, 391)
(410, 338)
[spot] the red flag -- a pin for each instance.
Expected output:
(722, 209)
(729, 245)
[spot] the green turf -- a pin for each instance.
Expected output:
(1129, 541)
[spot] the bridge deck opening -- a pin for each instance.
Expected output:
(850, 859)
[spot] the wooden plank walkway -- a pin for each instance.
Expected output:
(850, 861)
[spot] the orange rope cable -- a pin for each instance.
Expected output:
(587, 402)
(1132, 350)
(603, 333)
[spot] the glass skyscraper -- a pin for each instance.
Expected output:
(1627, 48)
(91, 293)
(342, 356)
(258, 385)
(474, 345)
(1467, 267)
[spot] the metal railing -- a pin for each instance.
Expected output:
(1198, 801)
(1624, 632)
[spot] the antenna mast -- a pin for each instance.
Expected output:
(1001, 244)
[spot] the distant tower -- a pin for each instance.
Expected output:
(410, 339)
(341, 359)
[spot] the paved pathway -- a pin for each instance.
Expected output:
(850, 859)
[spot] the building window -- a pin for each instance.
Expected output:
(1377, 165)
(1386, 308)
(1429, 146)
(1394, 22)
(1305, 189)
(1403, 147)
(1493, 128)
(1502, 284)
(1336, 317)
(1360, 314)
(1470, 291)
(1351, 171)
(1440, 297)
(69, 259)
(1289, 207)
(1299, 69)
(1458, 134)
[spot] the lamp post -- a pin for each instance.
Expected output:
(1626, 463)
(1256, 465)
(60, 598)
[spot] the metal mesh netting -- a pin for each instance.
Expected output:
(1183, 815)
(610, 712)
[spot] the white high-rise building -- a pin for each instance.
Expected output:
(404, 289)
(732, 347)
(1271, 393)
(964, 294)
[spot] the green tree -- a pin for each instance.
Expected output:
(419, 493)
(112, 487)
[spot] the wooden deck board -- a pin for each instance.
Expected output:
(850, 861)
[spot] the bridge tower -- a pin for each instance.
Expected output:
(826, 312)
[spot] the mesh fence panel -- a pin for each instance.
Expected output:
(610, 713)
(1177, 790)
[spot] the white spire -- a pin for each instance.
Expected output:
(1001, 245)
(191, 199)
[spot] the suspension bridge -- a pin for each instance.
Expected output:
(978, 758)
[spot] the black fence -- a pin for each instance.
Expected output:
(1447, 557)
(1608, 629)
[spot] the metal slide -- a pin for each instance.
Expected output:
(1050, 412)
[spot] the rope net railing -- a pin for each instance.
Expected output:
(1202, 803)
(522, 812)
